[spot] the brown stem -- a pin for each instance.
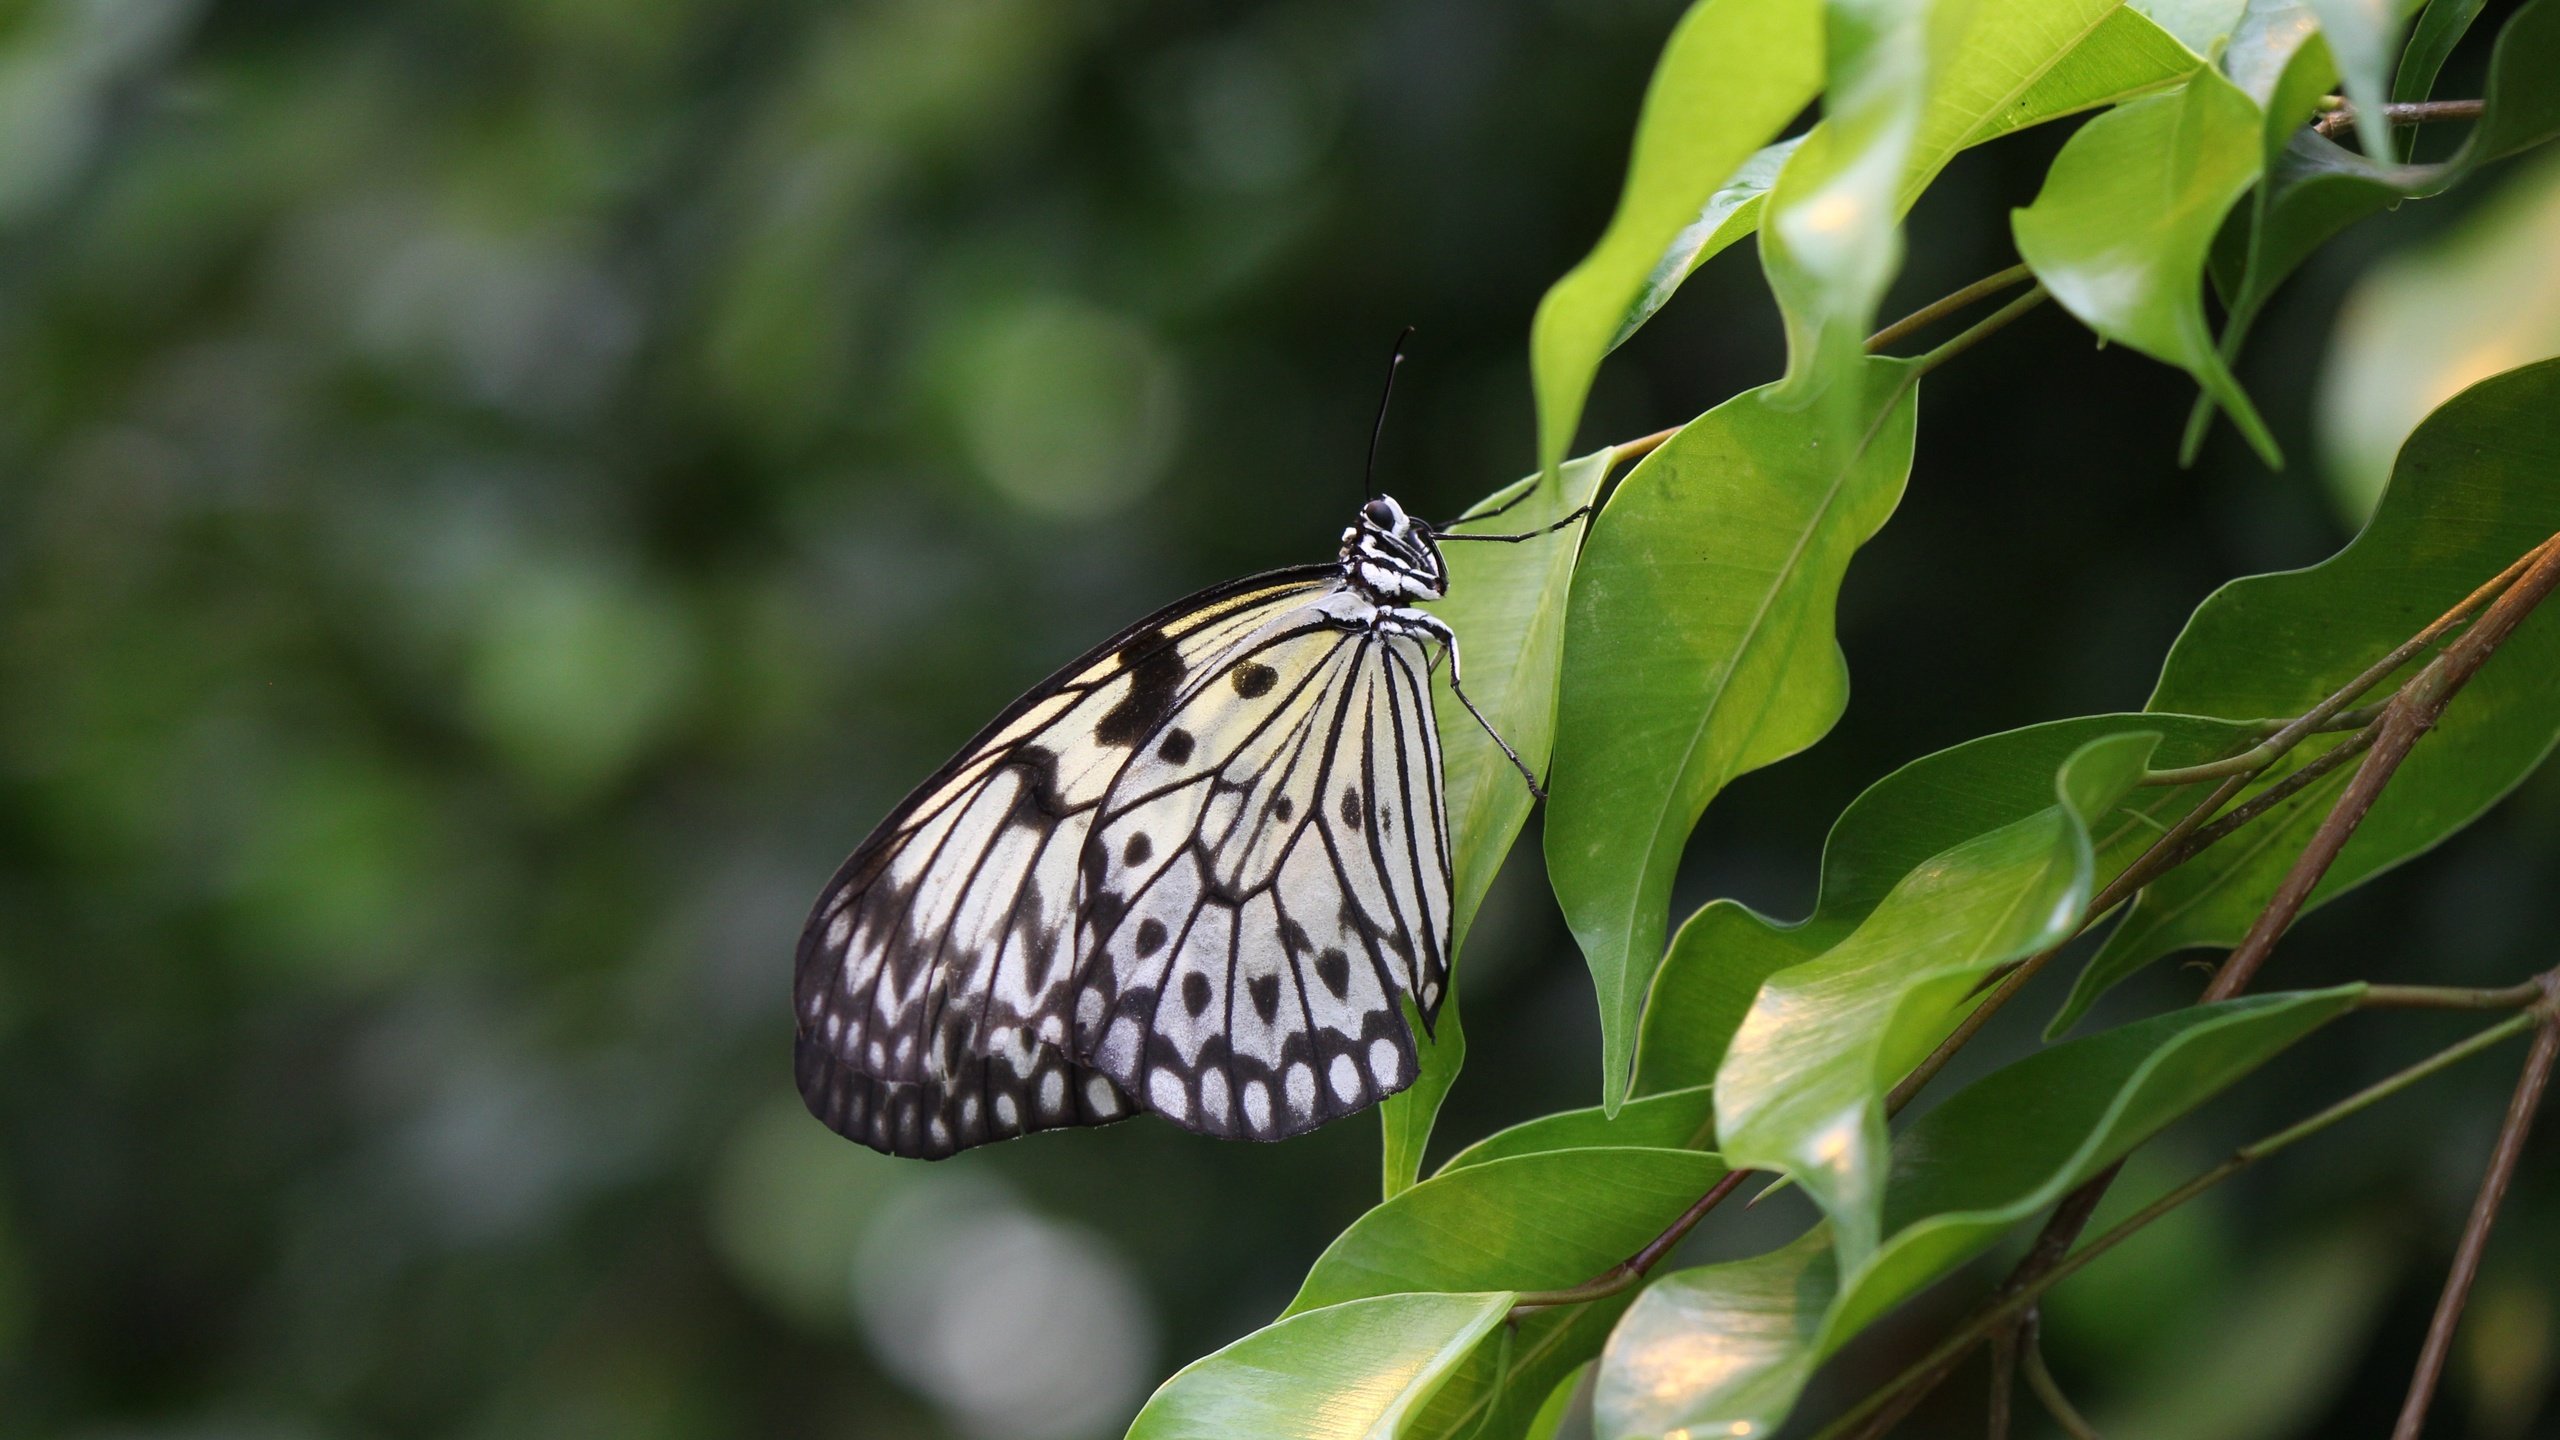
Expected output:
(2409, 714)
(2342, 116)
(2014, 1303)
(2484, 1213)
(1628, 1271)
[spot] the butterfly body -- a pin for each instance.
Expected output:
(1196, 872)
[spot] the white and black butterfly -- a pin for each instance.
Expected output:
(1191, 873)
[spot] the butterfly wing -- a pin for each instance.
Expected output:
(934, 985)
(1263, 883)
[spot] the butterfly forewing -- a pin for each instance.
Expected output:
(1246, 933)
(934, 984)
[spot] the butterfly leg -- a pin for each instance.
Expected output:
(1578, 513)
(1426, 626)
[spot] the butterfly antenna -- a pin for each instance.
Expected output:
(1369, 472)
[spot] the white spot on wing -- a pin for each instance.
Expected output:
(1257, 1104)
(1301, 1087)
(1385, 1063)
(1053, 1092)
(1213, 1096)
(1345, 1075)
(1166, 1093)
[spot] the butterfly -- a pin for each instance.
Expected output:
(1196, 873)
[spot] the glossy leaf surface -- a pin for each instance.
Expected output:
(1724, 951)
(1726, 1349)
(1354, 1371)
(1801, 1091)
(2127, 216)
(1676, 1120)
(1742, 525)
(1733, 72)
(2477, 486)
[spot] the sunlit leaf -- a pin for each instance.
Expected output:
(1732, 212)
(1731, 75)
(1742, 526)
(1531, 1222)
(2364, 36)
(2477, 485)
(2019, 63)
(2315, 188)
(1726, 1349)
(1539, 1221)
(2127, 215)
(1507, 604)
(1724, 952)
(1801, 1091)
(1353, 1371)
(1832, 240)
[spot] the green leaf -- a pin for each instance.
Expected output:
(1725, 1347)
(1507, 604)
(2440, 28)
(2019, 64)
(1832, 242)
(2477, 485)
(1732, 212)
(1549, 1421)
(1678, 1120)
(1741, 526)
(1725, 951)
(1355, 1369)
(2200, 25)
(2433, 320)
(1541, 1220)
(1531, 1222)
(2127, 215)
(1733, 72)
(1802, 1088)
(2314, 188)
(2364, 35)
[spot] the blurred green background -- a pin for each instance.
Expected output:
(497, 498)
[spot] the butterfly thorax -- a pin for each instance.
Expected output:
(1389, 557)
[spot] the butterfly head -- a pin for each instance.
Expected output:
(1389, 556)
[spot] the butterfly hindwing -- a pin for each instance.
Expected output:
(935, 978)
(1264, 882)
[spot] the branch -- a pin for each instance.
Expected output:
(2338, 115)
(2411, 712)
(2484, 1213)
(1939, 309)
(1886, 1402)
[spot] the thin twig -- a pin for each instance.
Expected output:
(2294, 783)
(2335, 119)
(2484, 1213)
(2445, 997)
(2409, 714)
(1946, 305)
(2004, 1384)
(1979, 331)
(2047, 1389)
(1897, 1395)
(1628, 1271)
